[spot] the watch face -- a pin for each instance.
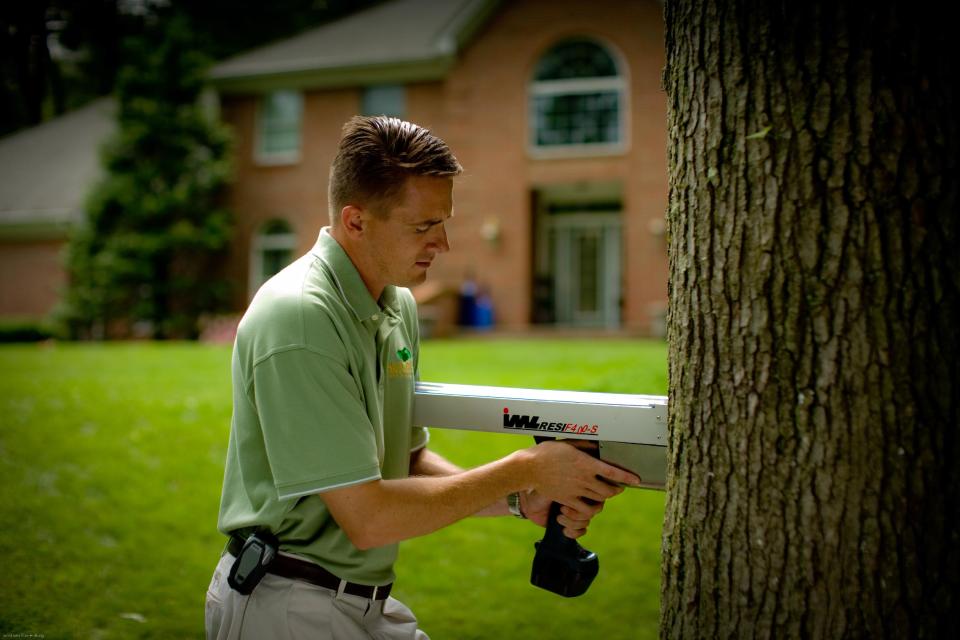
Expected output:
(513, 503)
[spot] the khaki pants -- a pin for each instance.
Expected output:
(290, 609)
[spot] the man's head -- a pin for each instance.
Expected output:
(390, 195)
(375, 157)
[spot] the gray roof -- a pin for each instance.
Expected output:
(399, 40)
(46, 171)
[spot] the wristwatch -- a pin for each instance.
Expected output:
(513, 503)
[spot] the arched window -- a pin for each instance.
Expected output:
(271, 250)
(577, 99)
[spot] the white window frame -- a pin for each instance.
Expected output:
(268, 158)
(619, 83)
(263, 242)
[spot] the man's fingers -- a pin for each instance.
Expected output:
(612, 489)
(605, 470)
(572, 528)
(604, 490)
(582, 511)
(614, 474)
(570, 468)
(596, 491)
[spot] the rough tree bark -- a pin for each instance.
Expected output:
(813, 483)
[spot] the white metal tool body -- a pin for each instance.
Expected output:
(631, 429)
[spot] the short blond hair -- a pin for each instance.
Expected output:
(375, 157)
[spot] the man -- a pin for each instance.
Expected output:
(323, 460)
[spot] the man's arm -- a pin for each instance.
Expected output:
(382, 512)
(424, 462)
(575, 520)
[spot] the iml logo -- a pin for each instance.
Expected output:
(518, 421)
(523, 422)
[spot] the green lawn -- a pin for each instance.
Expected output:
(112, 458)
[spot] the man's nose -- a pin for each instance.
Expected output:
(440, 240)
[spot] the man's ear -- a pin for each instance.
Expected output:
(352, 220)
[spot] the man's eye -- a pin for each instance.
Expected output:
(423, 229)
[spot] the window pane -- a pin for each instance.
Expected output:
(384, 100)
(283, 106)
(280, 120)
(280, 140)
(588, 299)
(578, 118)
(274, 260)
(276, 228)
(576, 59)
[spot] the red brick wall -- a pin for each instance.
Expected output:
(33, 277)
(296, 192)
(481, 111)
(489, 127)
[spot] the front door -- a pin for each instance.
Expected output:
(585, 250)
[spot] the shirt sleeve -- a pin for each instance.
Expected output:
(315, 430)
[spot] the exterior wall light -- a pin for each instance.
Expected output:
(490, 230)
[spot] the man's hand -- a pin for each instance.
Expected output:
(575, 516)
(565, 474)
(574, 520)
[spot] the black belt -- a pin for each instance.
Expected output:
(295, 569)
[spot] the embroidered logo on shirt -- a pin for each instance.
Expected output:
(402, 369)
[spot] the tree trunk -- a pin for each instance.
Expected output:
(813, 485)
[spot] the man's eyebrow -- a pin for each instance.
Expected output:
(429, 222)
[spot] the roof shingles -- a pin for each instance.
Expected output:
(394, 33)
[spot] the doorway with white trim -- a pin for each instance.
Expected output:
(578, 256)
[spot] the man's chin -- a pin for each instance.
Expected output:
(414, 279)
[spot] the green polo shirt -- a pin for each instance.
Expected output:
(323, 381)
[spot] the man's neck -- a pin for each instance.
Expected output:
(360, 262)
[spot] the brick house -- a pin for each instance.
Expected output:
(554, 108)
(45, 173)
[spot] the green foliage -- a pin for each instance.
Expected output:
(112, 459)
(25, 330)
(155, 228)
(38, 81)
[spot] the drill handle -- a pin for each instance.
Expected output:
(560, 564)
(554, 536)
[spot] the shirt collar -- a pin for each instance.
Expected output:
(348, 280)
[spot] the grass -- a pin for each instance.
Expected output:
(112, 460)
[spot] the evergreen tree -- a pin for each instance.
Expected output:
(144, 260)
